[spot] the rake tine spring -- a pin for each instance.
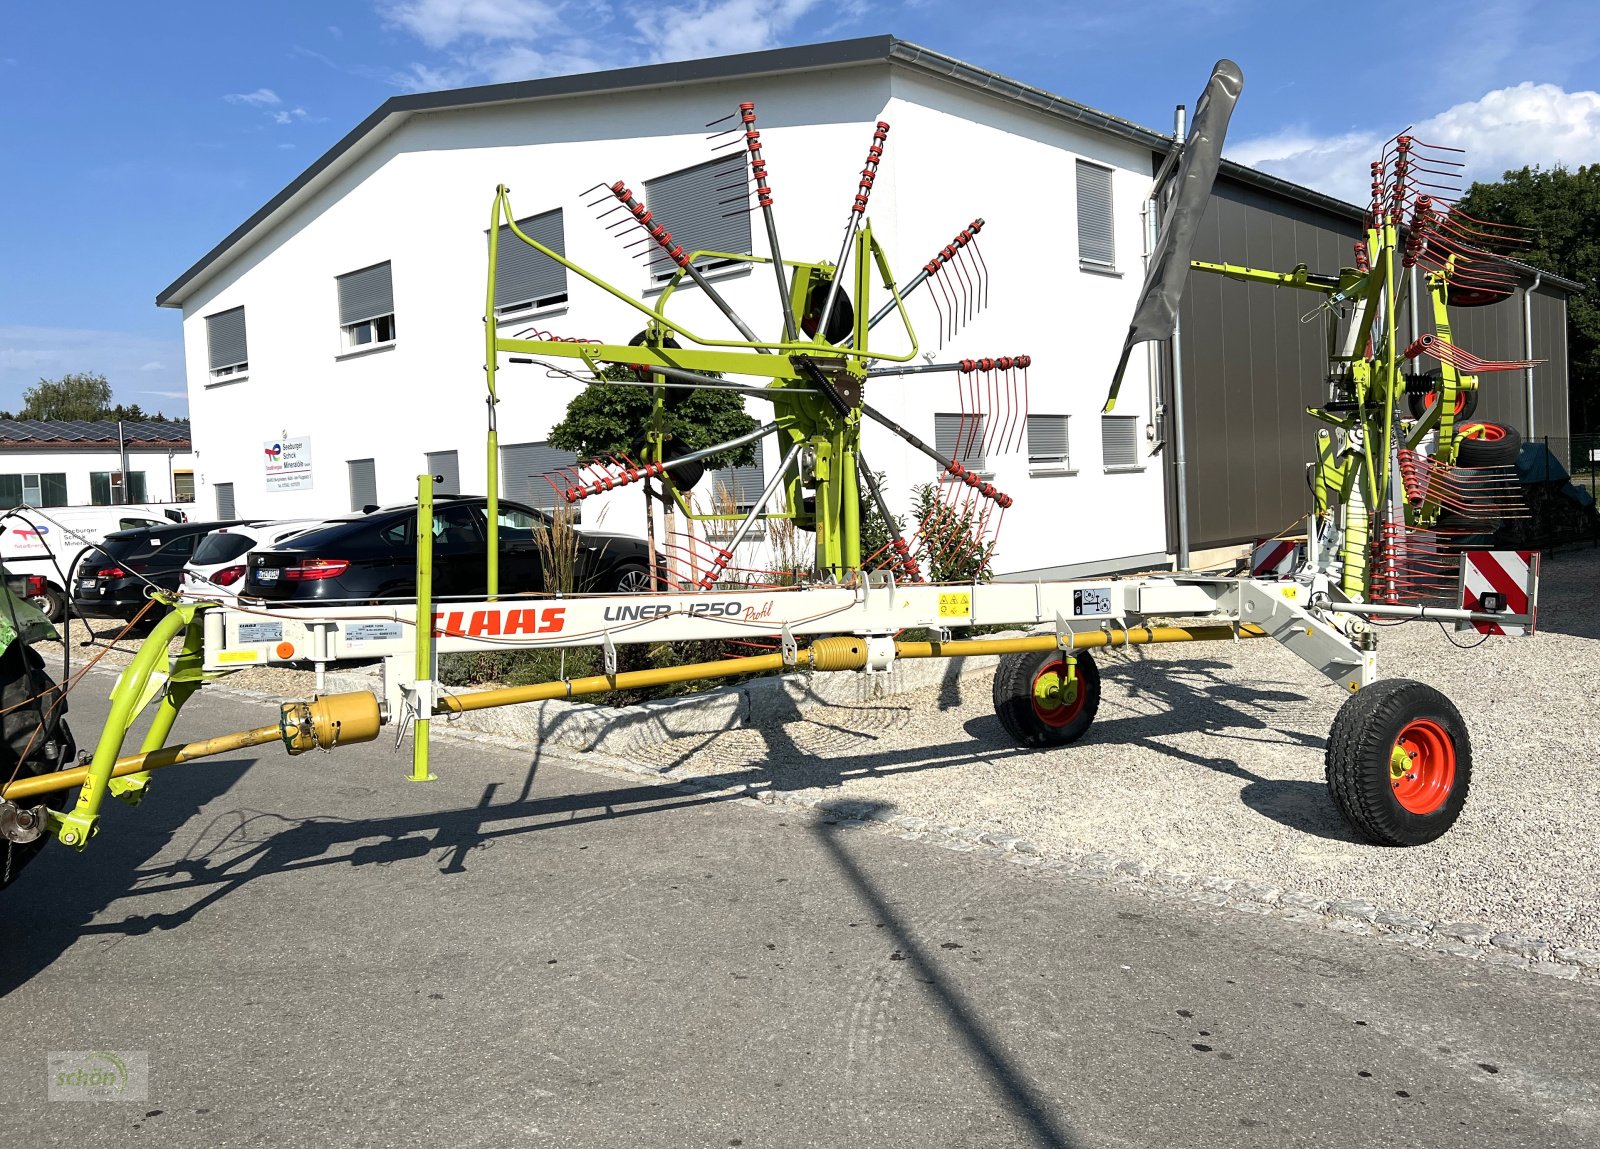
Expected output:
(967, 288)
(977, 255)
(723, 120)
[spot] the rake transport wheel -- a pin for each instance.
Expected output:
(34, 739)
(1047, 697)
(1420, 402)
(1399, 762)
(1487, 445)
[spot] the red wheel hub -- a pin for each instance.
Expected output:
(1422, 766)
(1488, 432)
(1057, 699)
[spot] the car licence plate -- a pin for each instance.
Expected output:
(266, 574)
(86, 584)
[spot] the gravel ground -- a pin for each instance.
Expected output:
(1208, 759)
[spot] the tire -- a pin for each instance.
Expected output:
(631, 578)
(1466, 403)
(52, 602)
(1020, 681)
(33, 729)
(1487, 445)
(1399, 763)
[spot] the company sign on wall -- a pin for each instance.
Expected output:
(288, 464)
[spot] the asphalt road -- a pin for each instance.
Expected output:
(314, 952)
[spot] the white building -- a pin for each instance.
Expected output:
(334, 341)
(81, 463)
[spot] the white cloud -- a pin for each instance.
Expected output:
(289, 116)
(1507, 128)
(260, 98)
(718, 27)
(28, 354)
(440, 23)
(495, 41)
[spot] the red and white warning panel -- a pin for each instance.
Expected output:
(1501, 582)
(1275, 558)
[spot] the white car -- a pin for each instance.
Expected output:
(216, 572)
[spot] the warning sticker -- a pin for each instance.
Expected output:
(957, 605)
(261, 632)
(240, 656)
(1092, 600)
(371, 631)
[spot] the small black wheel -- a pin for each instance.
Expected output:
(631, 578)
(1466, 403)
(1399, 762)
(34, 739)
(1039, 702)
(1487, 445)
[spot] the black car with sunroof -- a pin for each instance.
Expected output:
(371, 556)
(114, 579)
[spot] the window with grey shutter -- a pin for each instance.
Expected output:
(705, 209)
(365, 294)
(530, 473)
(1047, 443)
(524, 276)
(1097, 247)
(445, 467)
(742, 484)
(225, 342)
(224, 493)
(1119, 440)
(960, 437)
(363, 483)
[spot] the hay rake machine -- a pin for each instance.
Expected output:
(1398, 759)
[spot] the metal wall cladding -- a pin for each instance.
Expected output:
(1253, 362)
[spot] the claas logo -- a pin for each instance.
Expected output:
(499, 623)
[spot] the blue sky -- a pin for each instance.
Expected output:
(133, 137)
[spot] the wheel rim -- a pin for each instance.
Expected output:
(1057, 700)
(1431, 399)
(1422, 766)
(1487, 432)
(632, 582)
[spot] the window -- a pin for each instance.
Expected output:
(525, 278)
(1119, 441)
(1047, 445)
(366, 307)
(445, 467)
(457, 529)
(224, 493)
(514, 525)
(1097, 249)
(226, 348)
(29, 490)
(113, 488)
(739, 486)
(960, 437)
(531, 472)
(363, 483)
(183, 486)
(703, 208)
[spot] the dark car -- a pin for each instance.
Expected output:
(113, 580)
(372, 556)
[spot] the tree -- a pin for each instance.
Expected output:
(612, 420)
(76, 396)
(1561, 209)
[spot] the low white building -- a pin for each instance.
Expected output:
(82, 463)
(335, 344)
